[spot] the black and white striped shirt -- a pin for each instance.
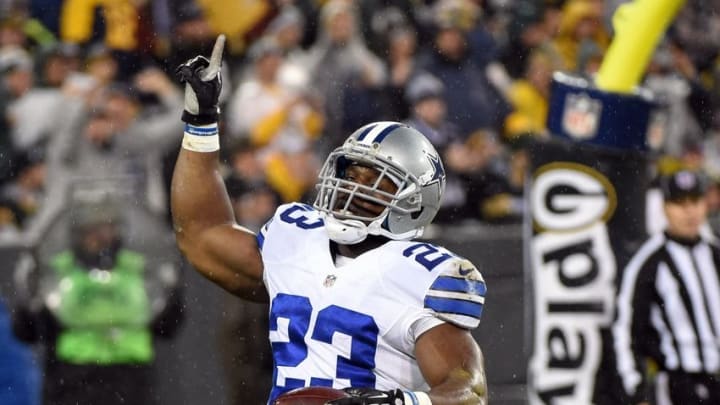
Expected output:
(668, 310)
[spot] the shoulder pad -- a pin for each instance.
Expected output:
(299, 215)
(457, 295)
(290, 221)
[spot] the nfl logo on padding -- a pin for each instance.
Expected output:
(329, 280)
(581, 116)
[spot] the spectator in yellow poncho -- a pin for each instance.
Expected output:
(581, 26)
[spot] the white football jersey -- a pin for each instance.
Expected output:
(356, 324)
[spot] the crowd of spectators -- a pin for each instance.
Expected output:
(86, 90)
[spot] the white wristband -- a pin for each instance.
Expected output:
(417, 398)
(201, 138)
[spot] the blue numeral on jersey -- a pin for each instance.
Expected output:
(290, 349)
(363, 330)
(424, 257)
(297, 311)
(300, 221)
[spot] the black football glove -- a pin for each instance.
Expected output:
(370, 396)
(202, 86)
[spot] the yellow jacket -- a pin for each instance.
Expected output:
(235, 18)
(530, 109)
(566, 43)
(121, 22)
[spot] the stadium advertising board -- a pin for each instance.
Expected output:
(573, 273)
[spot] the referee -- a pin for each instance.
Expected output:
(669, 306)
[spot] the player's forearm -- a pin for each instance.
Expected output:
(199, 200)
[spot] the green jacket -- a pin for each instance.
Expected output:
(105, 315)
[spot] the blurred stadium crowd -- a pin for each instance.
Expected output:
(87, 91)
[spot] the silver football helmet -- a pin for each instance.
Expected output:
(399, 153)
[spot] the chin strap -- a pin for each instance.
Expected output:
(351, 231)
(345, 232)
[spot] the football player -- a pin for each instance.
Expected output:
(355, 302)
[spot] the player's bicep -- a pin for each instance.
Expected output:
(229, 256)
(452, 364)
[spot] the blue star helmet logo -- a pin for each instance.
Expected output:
(438, 171)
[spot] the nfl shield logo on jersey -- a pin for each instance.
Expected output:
(329, 280)
(580, 116)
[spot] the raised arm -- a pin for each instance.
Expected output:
(204, 223)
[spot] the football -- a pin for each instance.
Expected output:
(310, 396)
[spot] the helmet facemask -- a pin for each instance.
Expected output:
(337, 196)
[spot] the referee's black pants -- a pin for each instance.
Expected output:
(678, 388)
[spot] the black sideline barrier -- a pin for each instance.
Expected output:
(189, 366)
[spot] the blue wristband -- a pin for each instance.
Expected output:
(201, 138)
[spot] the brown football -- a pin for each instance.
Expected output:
(310, 396)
